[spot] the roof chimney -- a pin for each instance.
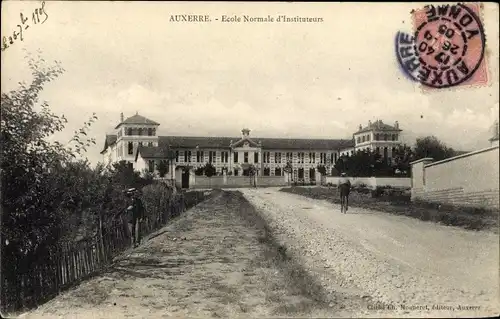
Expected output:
(121, 117)
(360, 127)
(396, 124)
(369, 123)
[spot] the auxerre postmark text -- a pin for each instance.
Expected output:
(447, 46)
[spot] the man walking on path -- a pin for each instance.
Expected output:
(135, 216)
(345, 189)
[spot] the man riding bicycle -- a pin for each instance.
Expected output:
(344, 190)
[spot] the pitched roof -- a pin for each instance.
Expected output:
(110, 140)
(194, 141)
(378, 126)
(151, 152)
(267, 143)
(305, 144)
(137, 119)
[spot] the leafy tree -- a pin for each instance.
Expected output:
(147, 176)
(162, 167)
(430, 146)
(209, 171)
(199, 171)
(341, 164)
(322, 170)
(402, 157)
(43, 182)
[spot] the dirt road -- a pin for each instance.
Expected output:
(404, 266)
(214, 261)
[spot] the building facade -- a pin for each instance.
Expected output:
(135, 141)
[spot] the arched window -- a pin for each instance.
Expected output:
(376, 137)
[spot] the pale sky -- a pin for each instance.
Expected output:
(211, 79)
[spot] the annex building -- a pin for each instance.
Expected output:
(135, 140)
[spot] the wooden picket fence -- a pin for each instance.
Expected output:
(69, 264)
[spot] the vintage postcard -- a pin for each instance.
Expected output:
(249, 159)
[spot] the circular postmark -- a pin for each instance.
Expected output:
(447, 47)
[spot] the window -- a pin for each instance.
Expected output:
(235, 157)
(187, 156)
(321, 158)
(235, 172)
(177, 156)
(130, 148)
(363, 138)
(376, 137)
(129, 131)
(368, 137)
(139, 131)
(151, 166)
(289, 157)
(245, 157)
(150, 144)
(301, 157)
(140, 144)
(267, 171)
(277, 171)
(301, 173)
(277, 157)
(335, 158)
(224, 157)
(267, 157)
(255, 157)
(394, 137)
(358, 139)
(199, 156)
(314, 158)
(211, 156)
(385, 137)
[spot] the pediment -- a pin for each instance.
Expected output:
(246, 143)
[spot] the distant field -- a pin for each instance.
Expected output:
(398, 203)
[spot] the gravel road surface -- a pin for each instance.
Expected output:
(214, 261)
(402, 266)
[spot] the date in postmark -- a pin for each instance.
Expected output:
(447, 48)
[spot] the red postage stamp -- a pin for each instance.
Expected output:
(447, 47)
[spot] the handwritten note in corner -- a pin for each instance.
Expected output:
(38, 16)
